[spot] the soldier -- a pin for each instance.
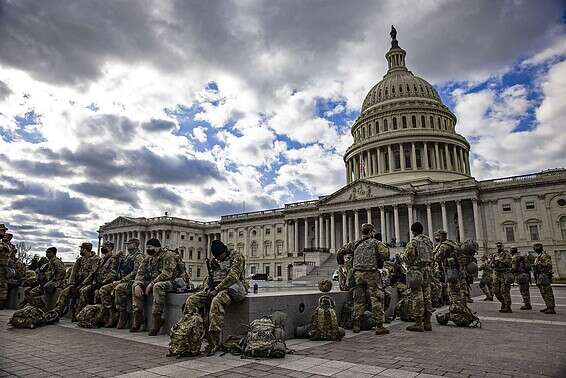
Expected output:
(80, 276)
(183, 280)
(447, 256)
(486, 281)
(155, 275)
(5, 271)
(418, 257)
(104, 274)
(121, 288)
(522, 270)
(223, 285)
(50, 278)
(543, 272)
(503, 277)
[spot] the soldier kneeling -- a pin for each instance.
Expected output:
(223, 285)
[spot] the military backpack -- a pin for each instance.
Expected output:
(266, 337)
(186, 336)
(324, 325)
(32, 317)
(91, 316)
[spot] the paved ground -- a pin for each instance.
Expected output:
(521, 344)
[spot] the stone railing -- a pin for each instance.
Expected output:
(251, 214)
(559, 173)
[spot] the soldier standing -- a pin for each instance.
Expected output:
(486, 281)
(80, 275)
(522, 270)
(543, 272)
(121, 289)
(4, 267)
(104, 274)
(418, 257)
(503, 277)
(223, 285)
(447, 256)
(155, 275)
(51, 277)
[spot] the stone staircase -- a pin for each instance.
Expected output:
(325, 270)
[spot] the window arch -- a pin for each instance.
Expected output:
(413, 122)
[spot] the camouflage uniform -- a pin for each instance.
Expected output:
(183, 278)
(521, 269)
(157, 270)
(79, 277)
(104, 274)
(503, 279)
(224, 274)
(127, 268)
(4, 267)
(421, 262)
(486, 281)
(54, 277)
(543, 266)
(447, 257)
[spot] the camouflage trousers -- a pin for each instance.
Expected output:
(421, 297)
(547, 295)
(486, 285)
(502, 288)
(34, 297)
(217, 311)
(372, 281)
(68, 293)
(116, 294)
(524, 289)
(87, 295)
(456, 293)
(160, 290)
(3, 283)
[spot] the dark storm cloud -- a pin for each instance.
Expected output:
(116, 127)
(162, 194)
(56, 204)
(4, 90)
(100, 162)
(111, 191)
(158, 125)
(14, 187)
(37, 168)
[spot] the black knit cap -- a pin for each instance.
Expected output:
(154, 243)
(51, 249)
(217, 248)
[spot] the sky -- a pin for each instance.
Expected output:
(204, 108)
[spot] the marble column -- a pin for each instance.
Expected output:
(396, 223)
(456, 160)
(344, 228)
(447, 156)
(286, 230)
(356, 224)
(444, 217)
(476, 219)
(350, 229)
(316, 233)
(462, 161)
(296, 236)
(327, 233)
(382, 223)
(368, 212)
(332, 233)
(425, 157)
(390, 158)
(306, 233)
(437, 165)
(402, 156)
(410, 218)
(429, 220)
(320, 232)
(460, 220)
(414, 157)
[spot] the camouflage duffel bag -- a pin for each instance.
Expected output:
(266, 337)
(32, 317)
(324, 325)
(91, 316)
(186, 336)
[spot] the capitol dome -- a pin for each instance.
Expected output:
(405, 134)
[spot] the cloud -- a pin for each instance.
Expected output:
(162, 194)
(111, 191)
(4, 90)
(158, 125)
(37, 168)
(56, 204)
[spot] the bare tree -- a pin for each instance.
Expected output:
(23, 253)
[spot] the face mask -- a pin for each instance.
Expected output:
(83, 252)
(151, 252)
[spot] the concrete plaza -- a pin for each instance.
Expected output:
(521, 344)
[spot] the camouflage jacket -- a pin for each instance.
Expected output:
(135, 258)
(55, 272)
(411, 255)
(543, 263)
(228, 272)
(502, 261)
(446, 255)
(520, 264)
(366, 253)
(5, 252)
(83, 269)
(105, 271)
(181, 269)
(157, 268)
(486, 268)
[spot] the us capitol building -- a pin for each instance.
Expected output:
(407, 163)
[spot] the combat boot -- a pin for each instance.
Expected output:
(356, 326)
(550, 310)
(544, 309)
(213, 340)
(381, 330)
(417, 327)
(122, 319)
(156, 326)
(137, 321)
(427, 324)
(112, 318)
(506, 310)
(527, 306)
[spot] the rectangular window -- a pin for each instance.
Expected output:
(267, 269)
(190, 271)
(191, 237)
(199, 238)
(198, 272)
(267, 231)
(506, 207)
(510, 233)
(278, 270)
(404, 122)
(529, 205)
(252, 269)
(278, 230)
(198, 255)
(533, 230)
(230, 234)
(182, 237)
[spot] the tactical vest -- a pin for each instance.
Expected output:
(365, 255)
(423, 245)
(126, 264)
(221, 271)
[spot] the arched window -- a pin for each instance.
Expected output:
(431, 122)
(392, 90)
(413, 122)
(364, 133)
(404, 122)
(385, 128)
(394, 123)
(386, 92)
(377, 127)
(423, 122)
(400, 89)
(438, 123)
(563, 226)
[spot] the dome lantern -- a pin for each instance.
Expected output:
(396, 55)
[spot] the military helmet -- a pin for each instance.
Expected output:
(325, 285)
(133, 241)
(513, 250)
(86, 245)
(108, 243)
(367, 228)
(498, 243)
(3, 227)
(537, 246)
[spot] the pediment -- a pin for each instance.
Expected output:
(362, 190)
(122, 221)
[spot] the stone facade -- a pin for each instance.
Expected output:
(407, 163)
